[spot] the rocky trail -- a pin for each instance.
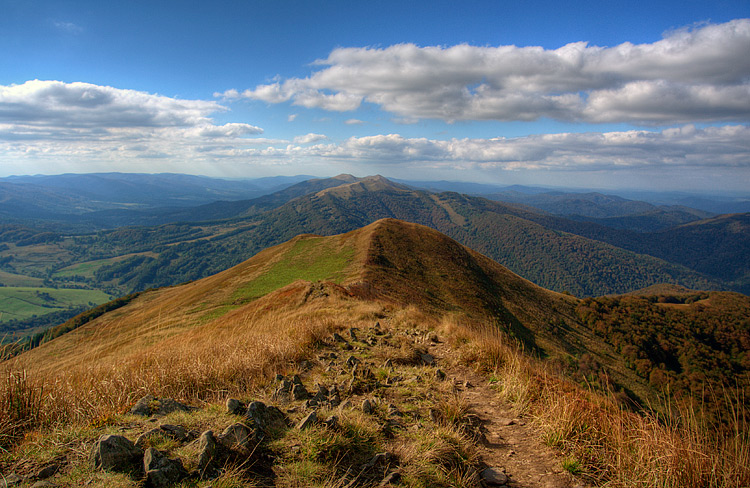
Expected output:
(405, 384)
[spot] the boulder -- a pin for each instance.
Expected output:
(207, 448)
(264, 418)
(235, 406)
(150, 405)
(494, 476)
(162, 471)
(306, 422)
(236, 435)
(115, 453)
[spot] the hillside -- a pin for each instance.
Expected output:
(442, 310)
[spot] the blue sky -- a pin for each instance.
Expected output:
(652, 95)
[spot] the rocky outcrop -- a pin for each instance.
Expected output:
(115, 453)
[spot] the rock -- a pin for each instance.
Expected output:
(367, 406)
(426, 358)
(47, 471)
(299, 392)
(207, 448)
(176, 432)
(115, 453)
(43, 484)
(338, 338)
(234, 406)
(306, 422)
(494, 476)
(279, 377)
(236, 435)
(11, 480)
(439, 374)
(267, 419)
(296, 380)
(162, 471)
(392, 478)
(353, 333)
(149, 405)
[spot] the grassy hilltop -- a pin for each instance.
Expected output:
(503, 345)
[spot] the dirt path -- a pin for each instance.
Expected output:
(510, 443)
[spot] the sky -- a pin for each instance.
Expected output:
(639, 95)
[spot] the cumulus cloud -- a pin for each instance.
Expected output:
(309, 138)
(354, 122)
(700, 73)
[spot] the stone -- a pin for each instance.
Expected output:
(332, 422)
(43, 484)
(426, 358)
(338, 338)
(494, 476)
(267, 419)
(439, 374)
(236, 435)
(150, 405)
(207, 448)
(353, 333)
(234, 406)
(299, 392)
(392, 478)
(11, 480)
(306, 422)
(162, 471)
(47, 471)
(176, 432)
(367, 406)
(115, 453)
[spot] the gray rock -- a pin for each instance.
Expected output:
(236, 435)
(299, 392)
(176, 432)
(494, 476)
(162, 471)
(115, 453)
(150, 405)
(11, 480)
(306, 422)
(207, 448)
(267, 419)
(48, 471)
(234, 406)
(426, 358)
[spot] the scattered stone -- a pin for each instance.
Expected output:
(176, 432)
(338, 338)
(115, 453)
(48, 471)
(439, 374)
(306, 422)
(393, 478)
(236, 435)
(322, 391)
(299, 392)
(267, 419)
(368, 407)
(234, 406)
(353, 333)
(427, 359)
(43, 484)
(11, 480)
(207, 448)
(150, 405)
(494, 476)
(162, 471)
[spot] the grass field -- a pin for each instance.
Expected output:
(88, 268)
(24, 302)
(12, 279)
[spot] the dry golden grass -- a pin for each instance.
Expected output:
(605, 443)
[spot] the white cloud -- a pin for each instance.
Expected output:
(291, 117)
(354, 122)
(308, 138)
(698, 74)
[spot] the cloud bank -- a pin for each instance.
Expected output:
(700, 74)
